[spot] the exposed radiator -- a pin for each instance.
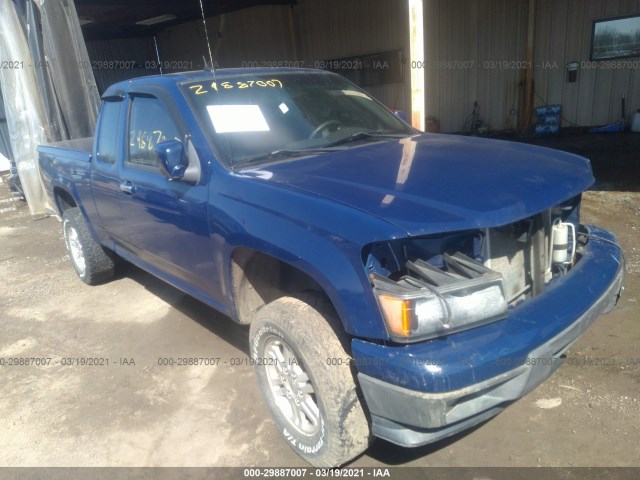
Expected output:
(514, 251)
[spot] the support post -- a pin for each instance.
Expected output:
(416, 54)
(529, 85)
(292, 33)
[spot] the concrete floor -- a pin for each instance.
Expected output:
(135, 412)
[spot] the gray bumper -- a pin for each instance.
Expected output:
(410, 418)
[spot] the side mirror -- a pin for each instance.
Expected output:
(173, 160)
(401, 115)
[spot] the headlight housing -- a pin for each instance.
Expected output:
(431, 302)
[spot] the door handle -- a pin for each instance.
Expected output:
(127, 187)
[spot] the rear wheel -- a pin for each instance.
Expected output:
(308, 386)
(92, 263)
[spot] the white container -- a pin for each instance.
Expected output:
(635, 122)
(560, 243)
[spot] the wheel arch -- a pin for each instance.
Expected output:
(258, 278)
(261, 275)
(63, 199)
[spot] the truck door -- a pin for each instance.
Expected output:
(164, 221)
(104, 169)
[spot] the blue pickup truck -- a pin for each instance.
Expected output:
(396, 284)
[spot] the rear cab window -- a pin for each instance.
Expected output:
(108, 131)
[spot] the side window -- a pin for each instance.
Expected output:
(149, 124)
(108, 131)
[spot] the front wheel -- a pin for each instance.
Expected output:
(91, 262)
(312, 397)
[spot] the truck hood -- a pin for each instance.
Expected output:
(439, 183)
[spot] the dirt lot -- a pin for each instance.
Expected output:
(134, 412)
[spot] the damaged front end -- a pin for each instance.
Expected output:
(433, 286)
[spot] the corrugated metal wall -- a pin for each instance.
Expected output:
(120, 59)
(325, 29)
(330, 29)
(253, 35)
(474, 50)
(564, 35)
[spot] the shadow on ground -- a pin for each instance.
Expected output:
(217, 323)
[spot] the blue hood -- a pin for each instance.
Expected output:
(440, 183)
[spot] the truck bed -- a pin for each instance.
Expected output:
(63, 166)
(78, 149)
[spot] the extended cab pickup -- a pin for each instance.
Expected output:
(397, 284)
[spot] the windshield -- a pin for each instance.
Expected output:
(253, 118)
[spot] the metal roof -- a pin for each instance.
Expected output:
(118, 18)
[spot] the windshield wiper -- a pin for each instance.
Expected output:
(329, 147)
(284, 153)
(361, 135)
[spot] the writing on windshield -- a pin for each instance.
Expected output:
(249, 117)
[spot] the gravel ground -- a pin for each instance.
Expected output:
(135, 412)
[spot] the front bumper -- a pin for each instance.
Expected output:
(488, 367)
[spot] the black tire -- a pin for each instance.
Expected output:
(304, 327)
(91, 262)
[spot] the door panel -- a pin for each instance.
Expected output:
(164, 222)
(104, 170)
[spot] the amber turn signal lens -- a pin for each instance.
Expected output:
(398, 313)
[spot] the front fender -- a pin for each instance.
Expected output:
(321, 238)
